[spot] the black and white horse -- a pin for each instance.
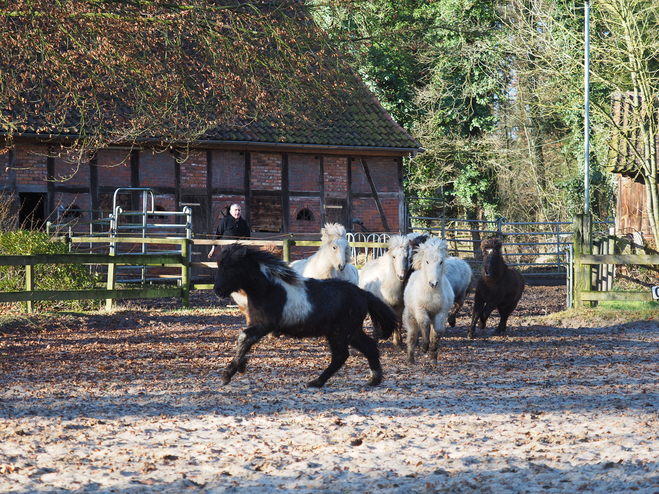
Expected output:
(279, 300)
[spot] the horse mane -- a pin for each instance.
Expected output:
(332, 231)
(491, 243)
(273, 267)
(396, 241)
(416, 239)
(432, 246)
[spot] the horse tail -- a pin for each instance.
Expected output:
(385, 321)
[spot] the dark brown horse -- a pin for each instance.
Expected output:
(499, 287)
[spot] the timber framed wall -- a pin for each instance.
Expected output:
(280, 192)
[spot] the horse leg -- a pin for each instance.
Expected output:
(246, 340)
(476, 314)
(487, 311)
(412, 334)
(398, 338)
(438, 330)
(368, 348)
(338, 344)
(457, 305)
(504, 312)
(398, 335)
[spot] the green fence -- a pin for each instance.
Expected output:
(176, 260)
(110, 293)
(586, 265)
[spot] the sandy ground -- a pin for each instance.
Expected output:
(131, 402)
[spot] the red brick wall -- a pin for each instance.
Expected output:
(384, 172)
(114, 167)
(83, 201)
(336, 176)
(193, 171)
(156, 169)
(228, 169)
(31, 165)
(72, 174)
(266, 172)
(313, 205)
(4, 170)
(359, 181)
(303, 171)
(366, 210)
(166, 201)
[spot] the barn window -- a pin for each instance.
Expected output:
(305, 215)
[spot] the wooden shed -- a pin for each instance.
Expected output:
(625, 149)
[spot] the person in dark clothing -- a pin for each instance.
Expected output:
(231, 226)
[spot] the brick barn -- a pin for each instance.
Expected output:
(335, 157)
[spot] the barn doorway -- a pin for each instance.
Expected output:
(336, 211)
(32, 211)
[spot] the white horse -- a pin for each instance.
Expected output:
(428, 298)
(386, 276)
(332, 259)
(459, 274)
(461, 277)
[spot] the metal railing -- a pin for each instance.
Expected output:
(537, 247)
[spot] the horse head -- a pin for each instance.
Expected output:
(335, 245)
(492, 257)
(401, 254)
(230, 269)
(429, 259)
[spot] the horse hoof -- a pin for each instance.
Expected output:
(451, 322)
(470, 335)
(226, 379)
(376, 378)
(316, 383)
(240, 368)
(424, 347)
(410, 359)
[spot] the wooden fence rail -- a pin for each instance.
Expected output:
(585, 263)
(178, 260)
(110, 293)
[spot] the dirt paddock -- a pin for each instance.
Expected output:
(130, 402)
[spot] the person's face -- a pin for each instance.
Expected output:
(235, 211)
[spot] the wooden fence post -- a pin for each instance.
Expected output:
(185, 272)
(112, 280)
(29, 286)
(286, 250)
(582, 246)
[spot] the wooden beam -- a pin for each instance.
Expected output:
(321, 188)
(247, 187)
(374, 191)
(641, 260)
(616, 296)
(285, 199)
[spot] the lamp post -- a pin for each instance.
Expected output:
(587, 109)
